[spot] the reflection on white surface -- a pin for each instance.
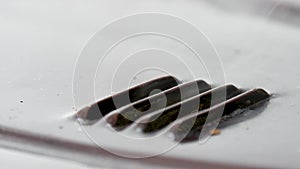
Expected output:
(14, 159)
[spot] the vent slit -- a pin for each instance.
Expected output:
(128, 115)
(202, 102)
(96, 111)
(232, 107)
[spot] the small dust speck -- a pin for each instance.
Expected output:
(21, 101)
(61, 127)
(215, 132)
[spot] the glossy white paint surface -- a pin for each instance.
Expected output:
(40, 42)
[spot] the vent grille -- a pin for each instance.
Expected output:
(183, 108)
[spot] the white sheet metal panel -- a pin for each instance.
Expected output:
(40, 42)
